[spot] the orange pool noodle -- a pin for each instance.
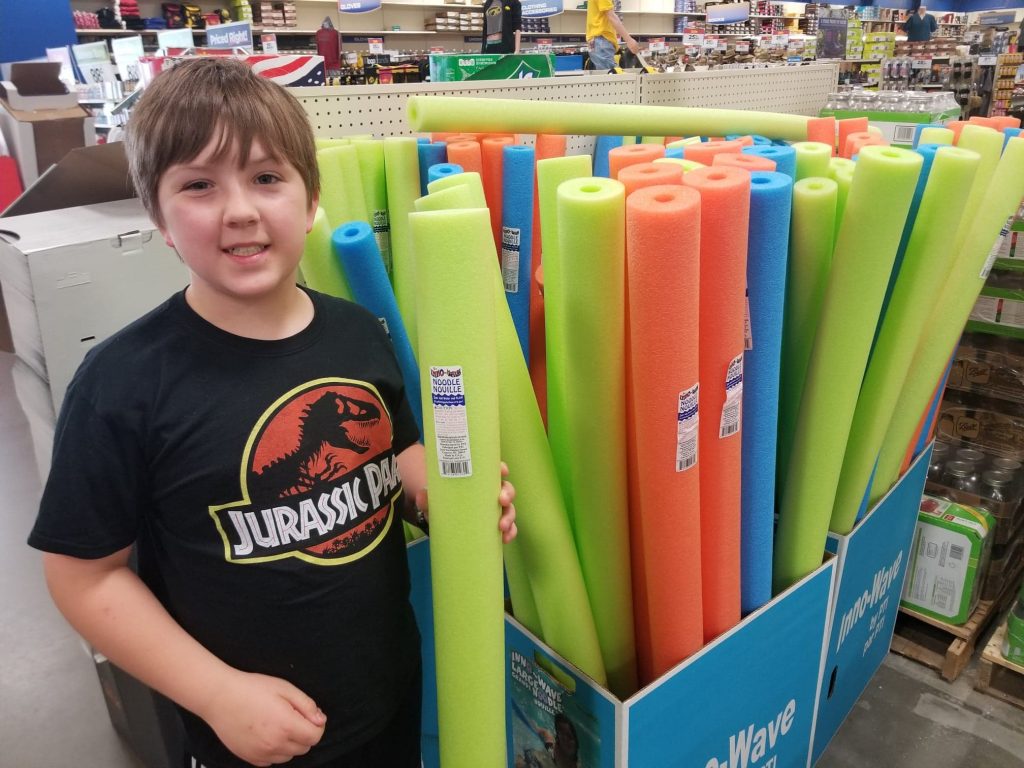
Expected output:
(491, 149)
(641, 175)
(746, 162)
(848, 126)
(705, 152)
(725, 214)
(822, 129)
(956, 126)
(632, 154)
(856, 141)
(467, 154)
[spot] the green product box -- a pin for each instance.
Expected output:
(952, 546)
(1013, 642)
(454, 67)
(897, 127)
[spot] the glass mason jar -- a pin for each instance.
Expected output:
(961, 476)
(996, 487)
(937, 464)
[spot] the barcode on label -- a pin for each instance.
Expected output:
(455, 468)
(730, 421)
(956, 552)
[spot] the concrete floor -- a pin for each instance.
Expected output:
(52, 713)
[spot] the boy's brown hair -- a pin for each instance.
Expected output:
(214, 98)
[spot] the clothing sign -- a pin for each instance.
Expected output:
(538, 9)
(358, 6)
(237, 34)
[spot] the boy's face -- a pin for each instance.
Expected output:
(239, 230)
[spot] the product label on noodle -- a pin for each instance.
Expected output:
(997, 247)
(382, 234)
(748, 333)
(451, 424)
(510, 259)
(686, 431)
(732, 411)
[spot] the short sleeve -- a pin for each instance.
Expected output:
(96, 488)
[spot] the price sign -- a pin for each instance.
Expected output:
(693, 39)
(921, 64)
(742, 47)
(376, 44)
(710, 43)
(692, 50)
(722, 45)
(657, 44)
(987, 61)
(545, 42)
(436, 49)
(780, 40)
(269, 42)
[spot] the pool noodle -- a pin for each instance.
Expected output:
(602, 146)
(375, 192)
(841, 172)
(591, 119)
(401, 167)
(320, 270)
(771, 196)
(725, 216)
(430, 154)
(680, 143)
(706, 151)
(876, 210)
(468, 155)
(783, 156)
(491, 149)
(453, 269)
(686, 165)
(440, 170)
(848, 126)
(745, 140)
(517, 238)
(1009, 133)
(468, 179)
(356, 248)
(1003, 191)
(812, 158)
(632, 154)
(822, 130)
(324, 143)
(812, 232)
(634, 177)
(341, 186)
(935, 136)
(663, 267)
(917, 132)
(746, 162)
(584, 297)
(928, 257)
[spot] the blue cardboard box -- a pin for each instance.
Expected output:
(746, 699)
(871, 564)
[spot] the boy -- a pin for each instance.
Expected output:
(251, 440)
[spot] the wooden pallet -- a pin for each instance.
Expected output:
(947, 647)
(998, 677)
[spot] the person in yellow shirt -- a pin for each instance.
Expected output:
(604, 27)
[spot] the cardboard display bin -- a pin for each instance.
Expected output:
(870, 569)
(746, 698)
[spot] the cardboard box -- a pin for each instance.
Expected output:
(870, 569)
(751, 691)
(949, 560)
(40, 120)
(454, 67)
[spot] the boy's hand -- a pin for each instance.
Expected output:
(507, 494)
(264, 720)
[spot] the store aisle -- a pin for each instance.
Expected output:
(52, 713)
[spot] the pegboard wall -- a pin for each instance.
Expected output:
(381, 109)
(796, 90)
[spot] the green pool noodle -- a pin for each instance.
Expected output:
(934, 135)
(325, 143)
(584, 302)
(810, 255)
(840, 170)
(359, 137)
(444, 113)
(551, 172)
(402, 171)
(451, 252)
(652, 140)
(876, 212)
(928, 258)
(1003, 192)
(470, 179)
(449, 199)
(686, 165)
(375, 193)
(986, 142)
(321, 270)
(812, 159)
(683, 142)
(341, 185)
(553, 603)
(628, 140)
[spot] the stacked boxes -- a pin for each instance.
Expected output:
(273, 13)
(456, 21)
(854, 39)
(879, 45)
(936, 47)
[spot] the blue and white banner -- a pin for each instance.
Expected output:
(538, 9)
(237, 34)
(358, 6)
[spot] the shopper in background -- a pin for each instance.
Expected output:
(920, 26)
(604, 27)
(250, 439)
(503, 26)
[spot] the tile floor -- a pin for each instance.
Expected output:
(52, 713)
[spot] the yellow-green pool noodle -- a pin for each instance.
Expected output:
(876, 212)
(470, 179)
(341, 186)
(812, 225)
(320, 269)
(584, 302)
(551, 172)
(683, 142)
(402, 170)
(686, 165)
(840, 170)
(450, 113)
(322, 143)
(932, 135)
(449, 199)
(465, 544)
(1003, 194)
(812, 159)
(375, 192)
(987, 143)
(927, 260)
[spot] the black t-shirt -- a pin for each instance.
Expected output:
(259, 481)
(501, 20)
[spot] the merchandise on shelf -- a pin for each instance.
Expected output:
(1013, 642)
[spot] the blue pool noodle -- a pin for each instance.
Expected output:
(783, 155)
(440, 170)
(356, 248)
(430, 154)
(517, 213)
(602, 146)
(676, 152)
(1009, 133)
(771, 199)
